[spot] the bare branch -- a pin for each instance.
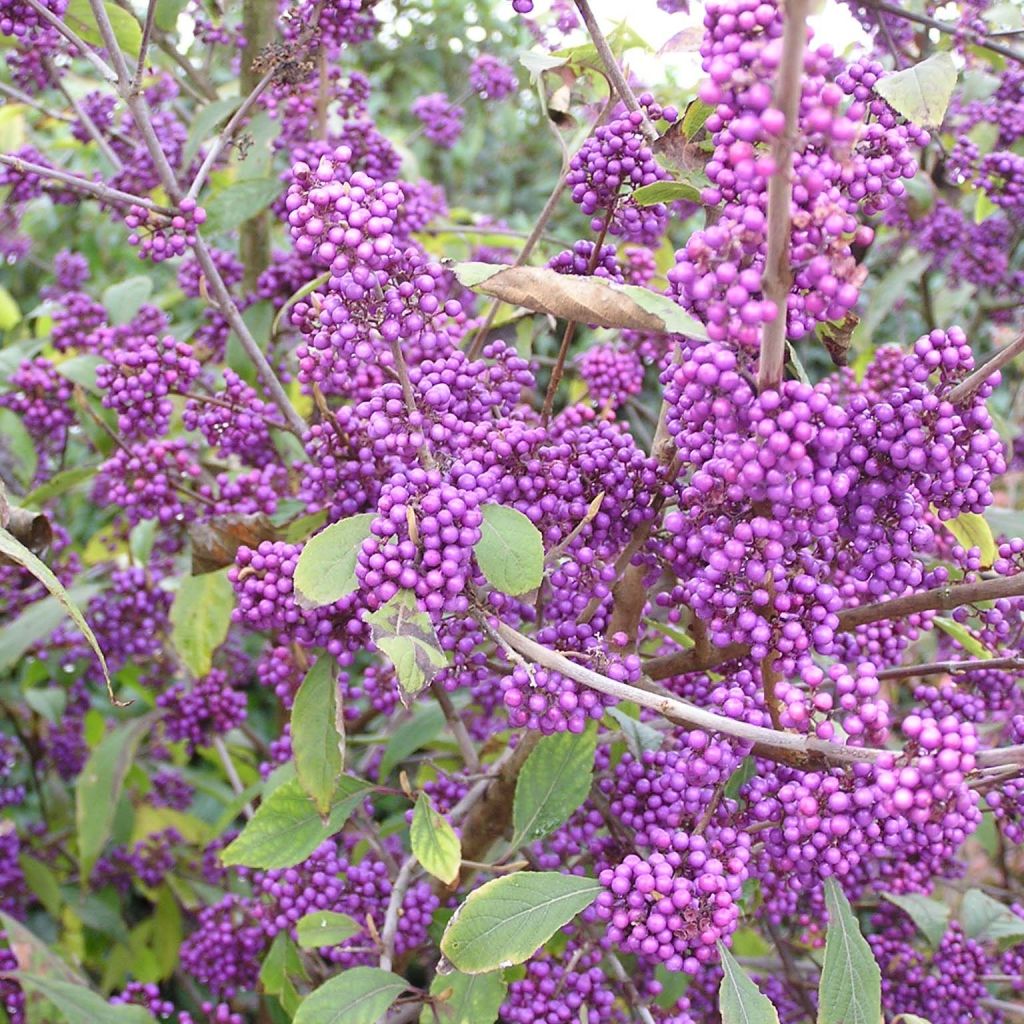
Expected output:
(390, 930)
(105, 70)
(618, 79)
(227, 134)
(778, 274)
(966, 388)
(147, 33)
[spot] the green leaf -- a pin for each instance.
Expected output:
(434, 842)
(988, 920)
(57, 485)
(358, 996)
(315, 738)
(326, 570)
(983, 206)
(1006, 522)
(921, 93)
(34, 955)
(200, 619)
(639, 735)
(124, 299)
(930, 916)
(554, 781)
(98, 788)
(537, 63)
(20, 555)
(694, 117)
(10, 314)
(127, 31)
(81, 370)
(851, 983)
(424, 726)
(890, 289)
(233, 206)
(670, 191)
(406, 635)
(37, 622)
(470, 999)
(740, 1001)
(507, 920)
(510, 551)
(167, 12)
(80, 1005)
(909, 1018)
(19, 447)
(973, 531)
(325, 928)
(589, 300)
(205, 124)
(287, 828)
(963, 636)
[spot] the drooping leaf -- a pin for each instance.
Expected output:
(973, 531)
(281, 964)
(216, 540)
(505, 921)
(10, 314)
(510, 551)
(14, 550)
(34, 956)
(553, 782)
(200, 619)
(469, 998)
(326, 570)
(930, 916)
(124, 299)
(99, 787)
(359, 996)
(988, 920)
(36, 622)
(921, 93)
(963, 636)
(588, 300)
(287, 827)
(58, 484)
(740, 1001)
(695, 115)
(406, 636)
(234, 205)
(315, 740)
(325, 928)
(434, 842)
(80, 1005)
(639, 736)
(81, 370)
(851, 983)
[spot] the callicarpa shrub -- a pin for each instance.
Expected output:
(508, 517)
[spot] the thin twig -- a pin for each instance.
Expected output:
(618, 79)
(778, 274)
(947, 27)
(23, 97)
(93, 188)
(232, 773)
(105, 70)
(228, 133)
(147, 33)
(966, 388)
(458, 728)
(952, 668)
(82, 114)
(390, 929)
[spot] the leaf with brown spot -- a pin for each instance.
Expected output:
(676, 150)
(836, 335)
(215, 541)
(588, 300)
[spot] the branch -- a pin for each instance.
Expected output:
(458, 728)
(967, 387)
(618, 79)
(950, 29)
(147, 33)
(788, 747)
(105, 70)
(92, 188)
(23, 97)
(139, 109)
(938, 599)
(952, 668)
(228, 132)
(83, 116)
(390, 930)
(778, 274)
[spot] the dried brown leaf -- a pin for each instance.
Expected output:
(215, 541)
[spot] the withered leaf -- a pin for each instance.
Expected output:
(836, 335)
(216, 540)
